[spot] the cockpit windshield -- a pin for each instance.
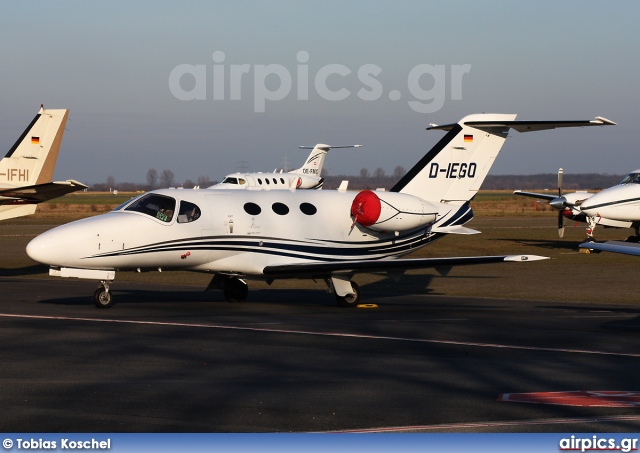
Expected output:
(122, 205)
(155, 205)
(631, 178)
(233, 180)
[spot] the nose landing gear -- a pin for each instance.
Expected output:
(102, 296)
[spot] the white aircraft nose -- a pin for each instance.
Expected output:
(44, 249)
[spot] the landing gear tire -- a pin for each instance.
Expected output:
(350, 300)
(235, 290)
(102, 298)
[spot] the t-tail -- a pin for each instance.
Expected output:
(454, 169)
(452, 172)
(315, 161)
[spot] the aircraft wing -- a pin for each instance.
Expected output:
(627, 248)
(541, 196)
(326, 269)
(39, 192)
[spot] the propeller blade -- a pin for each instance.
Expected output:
(560, 223)
(560, 174)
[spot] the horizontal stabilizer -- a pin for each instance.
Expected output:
(527, 126)
(453, 229)
(39, 192)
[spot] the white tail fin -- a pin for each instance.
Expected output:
(32, 159)
(454, 169)
(315, 161)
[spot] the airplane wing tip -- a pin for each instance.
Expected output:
(604, 121)
(524, 258)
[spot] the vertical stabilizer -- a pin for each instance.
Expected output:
(32, 159)
(453, 170)
(315, 161)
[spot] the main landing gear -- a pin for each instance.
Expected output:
(347, 293)
(102, 296)
(635, 238)
(350, 300)
(234, 288)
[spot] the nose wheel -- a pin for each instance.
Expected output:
(102, 296)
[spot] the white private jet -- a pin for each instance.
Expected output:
(306, 177)
(239, 235)
(27, 169)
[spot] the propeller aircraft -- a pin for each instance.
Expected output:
(26, 171)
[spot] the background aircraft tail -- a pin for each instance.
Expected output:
(32, 159)
(315, 161)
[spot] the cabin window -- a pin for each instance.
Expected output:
(154, 205)
(282, 180)
(275, 181)
(252, 208)
(259, 181)
(280, 208)
(189, 212)
(267, 180)
(308, 209)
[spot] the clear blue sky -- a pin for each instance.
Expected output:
(110, 63)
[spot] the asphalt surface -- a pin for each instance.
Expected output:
(176, 359)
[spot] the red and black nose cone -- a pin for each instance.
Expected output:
(366, 208)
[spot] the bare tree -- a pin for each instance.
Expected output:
(364, 172)
(166, 178)
(399, 172)
(379, 173)
(152, 178)
(204, 181)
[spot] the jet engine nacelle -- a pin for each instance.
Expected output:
(391, 211)
(308, 182)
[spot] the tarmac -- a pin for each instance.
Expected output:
(169, 358)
